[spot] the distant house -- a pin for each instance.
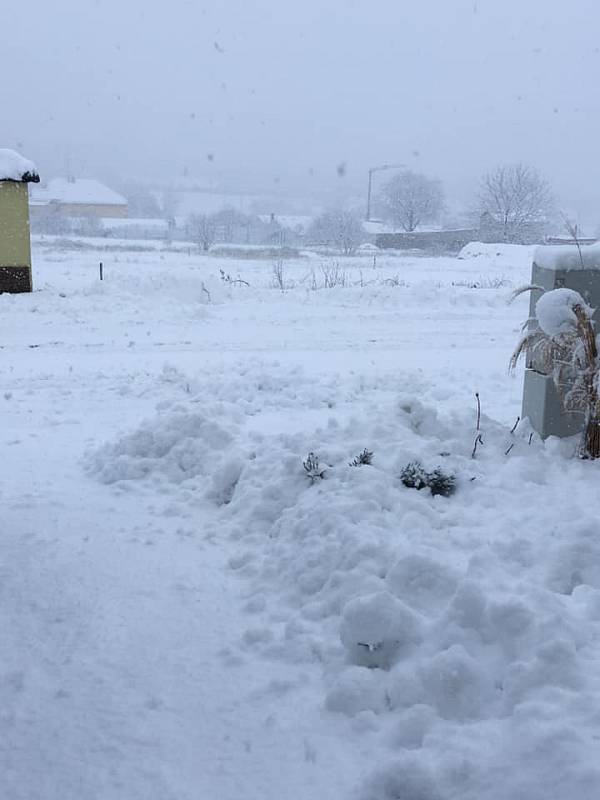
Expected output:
(77, 197)
(284, 228)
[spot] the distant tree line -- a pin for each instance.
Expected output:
(228, 225)
(514, 203)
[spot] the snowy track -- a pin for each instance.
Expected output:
(120, 621)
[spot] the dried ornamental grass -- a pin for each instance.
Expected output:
(563, 345)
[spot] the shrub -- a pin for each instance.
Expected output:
(415, 476)
(441, 482)
(312, 467)
(366, 457)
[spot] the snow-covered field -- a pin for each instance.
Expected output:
(185, 615)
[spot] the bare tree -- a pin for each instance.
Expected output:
(234, 225)
(572, 229)
(516, 202)
(202, 229)
(338, 228)
(411, 199)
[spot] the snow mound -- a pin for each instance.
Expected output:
(407, 779)
(178, 445)
(555, 310)
(422, 582)
(375, 629)
(455, 684)
(437, 620)
(13, 167)
(442, 627)
(494, 250)
(357, 690)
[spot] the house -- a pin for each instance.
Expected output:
(16, 173)
(77, 197)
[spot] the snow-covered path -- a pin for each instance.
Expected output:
(120, 620)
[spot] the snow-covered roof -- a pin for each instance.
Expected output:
(13, 167)
(77, 191)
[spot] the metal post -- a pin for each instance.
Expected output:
(369, 195)
(371, 171)
(101, 275)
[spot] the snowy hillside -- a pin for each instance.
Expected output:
(190, 615)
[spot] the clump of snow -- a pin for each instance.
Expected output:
(422, 582)
(14, 167)
(577, 561)
(376, 629)
(407, 779)
(555, 313)
(357, 689)
(555, 664)
(225, 479)
(412, 726)
(497, 250)
(177, 445)
(455, 684)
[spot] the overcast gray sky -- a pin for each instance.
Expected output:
(288, 90)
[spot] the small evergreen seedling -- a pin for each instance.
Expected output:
(366, 457)
(312, 467)
(441, 482)
(414, 476)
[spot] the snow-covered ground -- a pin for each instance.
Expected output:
(185, 615)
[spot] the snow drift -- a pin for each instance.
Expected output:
(446, 628)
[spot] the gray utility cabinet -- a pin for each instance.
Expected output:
(553, 268)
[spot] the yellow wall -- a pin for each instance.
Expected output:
(15, 248)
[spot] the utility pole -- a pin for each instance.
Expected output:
(382, 168)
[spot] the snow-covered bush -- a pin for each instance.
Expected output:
(314, 470)
(441, 482)
(364, 457)
(337, 228)
(415, 476)
(563, 344)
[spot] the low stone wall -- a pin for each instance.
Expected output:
(428, 241)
